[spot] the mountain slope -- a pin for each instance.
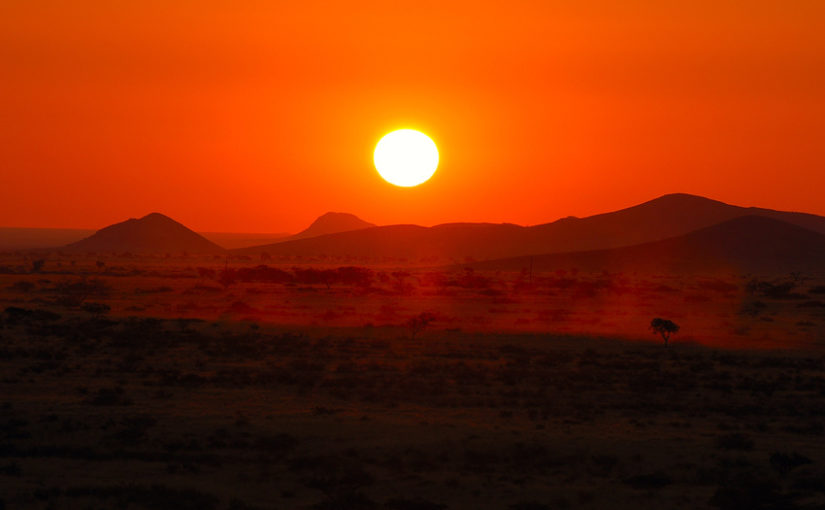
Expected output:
(747, 244)
(667, 216)
(331, 223)
(662, 218)
(154, 233)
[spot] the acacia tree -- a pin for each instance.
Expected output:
(664, 327)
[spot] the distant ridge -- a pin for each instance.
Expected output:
(14, 238)
(154, 233)
(664, 217)
(747, 244)
(331, 223)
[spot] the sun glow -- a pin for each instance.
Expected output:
(406, 157)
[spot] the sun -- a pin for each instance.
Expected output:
(406, 157)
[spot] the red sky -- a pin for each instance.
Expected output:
(260, 116)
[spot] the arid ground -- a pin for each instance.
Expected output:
(184, 382)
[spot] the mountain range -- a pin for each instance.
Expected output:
(676, 230)
(156, 233)
(747, 244)
(666, 217)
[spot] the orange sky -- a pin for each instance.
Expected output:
(260, 116)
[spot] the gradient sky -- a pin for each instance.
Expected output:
(260, 116)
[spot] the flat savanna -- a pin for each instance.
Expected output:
(187, 383)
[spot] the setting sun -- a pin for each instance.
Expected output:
(406, 157)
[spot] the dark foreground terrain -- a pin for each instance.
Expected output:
(99, 412)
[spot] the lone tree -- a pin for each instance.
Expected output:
(664, 327)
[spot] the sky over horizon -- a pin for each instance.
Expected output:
(260, 117)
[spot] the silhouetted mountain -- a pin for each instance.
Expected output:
(331, 223)
(747, 244)
(154, 233)
(665, 217)
(16, 238)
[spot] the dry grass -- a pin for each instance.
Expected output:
(144, 409)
